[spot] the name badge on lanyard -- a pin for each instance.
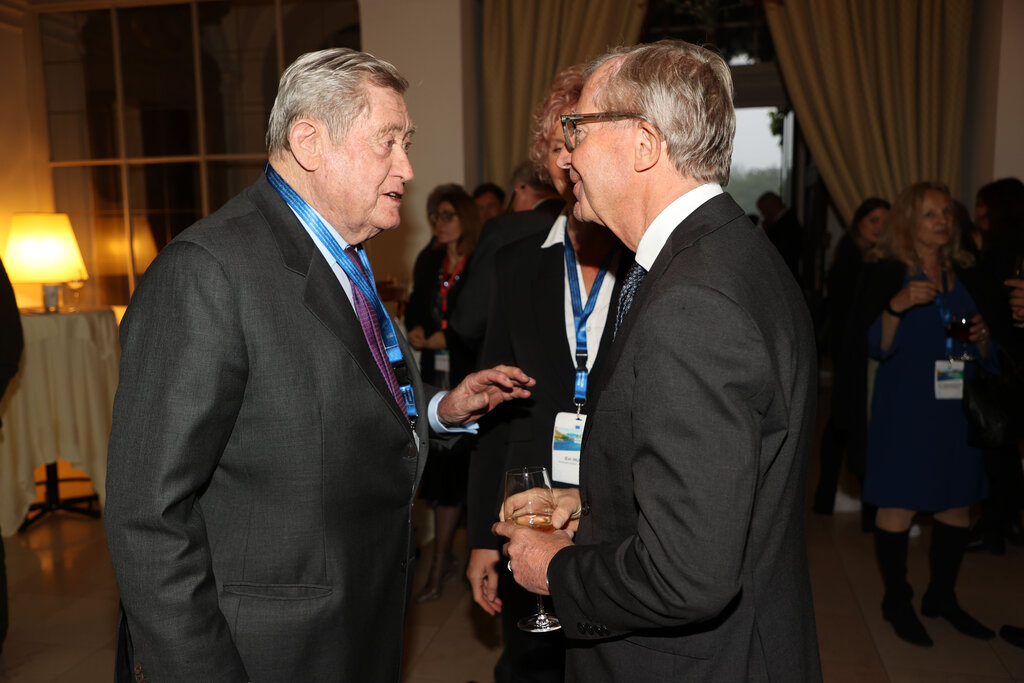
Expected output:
(949, 379)
(566, 443)
(567, 436)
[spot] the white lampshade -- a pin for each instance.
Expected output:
(41, 248)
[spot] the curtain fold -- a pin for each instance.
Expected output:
(879, 88)
(525, 44)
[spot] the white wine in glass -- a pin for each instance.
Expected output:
(530, 502)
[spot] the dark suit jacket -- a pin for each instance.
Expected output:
(527, 329)
(691, 562)
(11, 341)
(261, 476)
(469, 317)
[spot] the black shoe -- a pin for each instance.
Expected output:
(906, 624)
(954, 614)
(1013, 635)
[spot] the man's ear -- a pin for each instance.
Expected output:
(646, 147)
(306, 139)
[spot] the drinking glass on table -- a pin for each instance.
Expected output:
(530, 502)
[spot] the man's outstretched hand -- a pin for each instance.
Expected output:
(480, 392)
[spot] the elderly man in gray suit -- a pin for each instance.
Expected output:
(689, 561)
(269, 428)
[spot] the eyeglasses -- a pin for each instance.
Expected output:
(444, 216)
(571, 123)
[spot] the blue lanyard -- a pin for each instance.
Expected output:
(363, 281)
(945, 312)
(580, 314)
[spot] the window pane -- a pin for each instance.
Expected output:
(225, 179)
(91, 197)
(239, 66)
(78, 69)
(167, 195)
(310, 25)
(159, 80)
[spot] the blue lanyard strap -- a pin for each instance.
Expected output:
(361, 279)
(580, 314)
(945, 312)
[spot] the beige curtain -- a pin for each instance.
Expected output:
(525, 44)
(878, 87)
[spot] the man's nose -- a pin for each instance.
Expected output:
(564, 158)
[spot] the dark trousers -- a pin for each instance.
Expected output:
(528, 657)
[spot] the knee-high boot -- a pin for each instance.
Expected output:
(891, 550)
(947, 550)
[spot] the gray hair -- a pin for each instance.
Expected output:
(686, 92)
(329, 86)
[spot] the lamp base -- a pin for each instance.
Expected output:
(51, 298)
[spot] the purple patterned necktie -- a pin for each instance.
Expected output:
(371, 329)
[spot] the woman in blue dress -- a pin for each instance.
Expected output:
(918, 459)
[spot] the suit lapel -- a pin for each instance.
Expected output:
(549, 312)
(323, 295)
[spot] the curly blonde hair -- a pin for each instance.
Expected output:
(561, 99)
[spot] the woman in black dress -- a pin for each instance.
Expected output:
(446, 360)
(866, 226)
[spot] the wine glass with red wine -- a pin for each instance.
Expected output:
(959, 329)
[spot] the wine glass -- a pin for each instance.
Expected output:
(529, 501)
(76, 291)
(959, 328)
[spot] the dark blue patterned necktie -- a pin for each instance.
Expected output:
(633, 277)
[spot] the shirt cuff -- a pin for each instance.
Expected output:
(435, 421)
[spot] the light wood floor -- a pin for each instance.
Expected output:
(64, 602)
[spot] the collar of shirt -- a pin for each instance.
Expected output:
(346, 284)
(556, 235)
(658, 232)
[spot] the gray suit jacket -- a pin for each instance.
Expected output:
(261, 476)
(691, 562)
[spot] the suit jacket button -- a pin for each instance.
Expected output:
(409, 452)
(404, 565)
(585, 510)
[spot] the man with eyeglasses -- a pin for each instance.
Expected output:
(689, 557)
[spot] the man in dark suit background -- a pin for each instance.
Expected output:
(783, 229)
(690, 558)
(268, 432)
(11, 345)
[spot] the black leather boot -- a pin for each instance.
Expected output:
(944, 557)
(891, 550)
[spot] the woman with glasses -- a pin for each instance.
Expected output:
(551, 315)
(438, 279)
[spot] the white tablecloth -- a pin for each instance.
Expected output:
(58, 406)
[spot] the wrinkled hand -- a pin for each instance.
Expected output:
(436, 341)
(1016, 298)
(417, 339)
(482, 573)
(566, 515)
(530, 553)
(916, 292)
(480, 392)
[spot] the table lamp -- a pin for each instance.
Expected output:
(41, 248)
